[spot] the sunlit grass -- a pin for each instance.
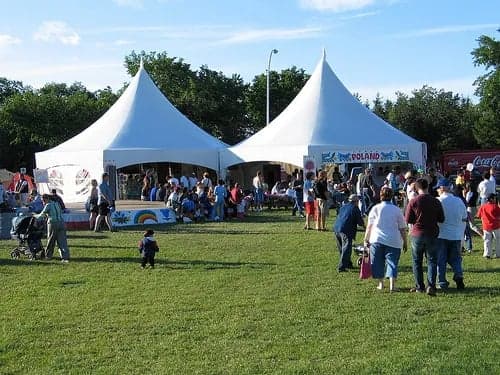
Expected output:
(261, 296)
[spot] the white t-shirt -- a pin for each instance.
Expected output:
(257, 182)
(386, 220)
(455, 213)
(485, 188)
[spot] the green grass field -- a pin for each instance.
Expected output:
(260, 296)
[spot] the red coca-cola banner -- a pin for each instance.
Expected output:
(482, 160)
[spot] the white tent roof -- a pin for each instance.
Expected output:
(141, 127)
(326, 122)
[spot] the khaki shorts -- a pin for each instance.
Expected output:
(322, 207)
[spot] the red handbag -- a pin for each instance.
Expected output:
(365, 269)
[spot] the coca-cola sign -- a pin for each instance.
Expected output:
(492, 162)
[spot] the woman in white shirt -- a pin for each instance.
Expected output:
(385, 235)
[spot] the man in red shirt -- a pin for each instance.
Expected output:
(489, 213)
(424, 212)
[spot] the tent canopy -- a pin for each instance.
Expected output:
(142, 126)
(326, 122)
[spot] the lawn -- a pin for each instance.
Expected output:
(261, 296)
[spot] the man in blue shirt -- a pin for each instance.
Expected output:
(345, 227)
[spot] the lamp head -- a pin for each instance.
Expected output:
(274, 51)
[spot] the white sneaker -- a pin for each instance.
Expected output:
(64, 261)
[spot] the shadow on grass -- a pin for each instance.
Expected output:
(173, 264)
(98, 246)
(483, 270)
(86, 236)
(473, 291)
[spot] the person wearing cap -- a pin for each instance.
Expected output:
(451, 233)
(385, 236)
(344, 228)
(424, 212)
(489, 213)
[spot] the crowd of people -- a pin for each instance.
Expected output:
(439, 215)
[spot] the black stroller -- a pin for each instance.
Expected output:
(29, 232)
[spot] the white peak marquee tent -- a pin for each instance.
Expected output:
(328, 124)
(141, 127)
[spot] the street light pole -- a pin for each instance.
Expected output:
(268, 73)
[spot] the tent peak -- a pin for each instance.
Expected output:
(323, 54)
(141, 64)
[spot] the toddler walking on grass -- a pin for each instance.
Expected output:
(148, 248)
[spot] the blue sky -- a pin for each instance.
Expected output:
(373, 45)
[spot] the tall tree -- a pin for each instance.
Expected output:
(9, 88)
(283, 88)
(487, 127)
(440, 118)
(33, 121)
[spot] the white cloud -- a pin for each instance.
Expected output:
(248, 36)
(446, 30)
(136, 4)
(7, 40)
(57, 31)
(336, 5)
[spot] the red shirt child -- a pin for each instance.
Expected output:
(489, 213)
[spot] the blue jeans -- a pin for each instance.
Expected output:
(429, 246)
(344, 244)
(382, 255)
(298, 205)
(449, 252)
(468, 237)
(259, 196)
(219, 209)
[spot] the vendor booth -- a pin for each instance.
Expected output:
(141, 127)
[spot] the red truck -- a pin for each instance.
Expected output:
(482, 160)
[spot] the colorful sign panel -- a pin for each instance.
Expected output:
(371, 156)
(143, 217)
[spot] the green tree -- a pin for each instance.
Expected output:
(172, 75)
(440, 118)
(9, 88)
(487, 126)
(283, 88)
(32, 121)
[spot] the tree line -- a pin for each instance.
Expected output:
(33, 120)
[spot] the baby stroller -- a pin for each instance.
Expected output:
(29, 232)
(362, 252)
